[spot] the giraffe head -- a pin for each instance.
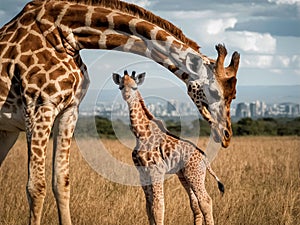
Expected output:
(213, 94)
(128, 84)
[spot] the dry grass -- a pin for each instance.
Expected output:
(261, 177)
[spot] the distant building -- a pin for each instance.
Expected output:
(170, 108)
(257, 109)
(289, 109)
(242, 110)
(253, 109)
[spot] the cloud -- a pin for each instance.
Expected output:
(285, 60)
(288, 2)
(220, 25)
(257, 61)
(2, 15)
(295, 62)
(208, 31)
(190, 14)
(249, 42)
(274, 62)
(142, 3)
(284, 26)
(252, 42)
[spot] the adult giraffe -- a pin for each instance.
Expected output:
(43, 78)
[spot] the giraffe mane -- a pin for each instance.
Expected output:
(145, 109)
(142, 14)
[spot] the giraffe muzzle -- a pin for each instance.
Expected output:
(221, 136)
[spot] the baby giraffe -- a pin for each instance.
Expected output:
(158, 152)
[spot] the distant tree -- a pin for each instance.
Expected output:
(245, 126)
(268, 126)
(84, 127)
(174, 127)
(104, 127)
(289, 127)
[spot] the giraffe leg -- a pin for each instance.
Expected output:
(38, 134)
(145, 181)
(148, 195)
(158, 205)
(62, 136)
(7, 140)
(198, 217)
(195, 176)
(205, 202)
(153, 189)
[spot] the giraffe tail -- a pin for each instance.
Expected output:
(210, 170)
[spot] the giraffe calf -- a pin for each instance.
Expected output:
(158, 152)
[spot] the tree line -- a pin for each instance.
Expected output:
(104, 128)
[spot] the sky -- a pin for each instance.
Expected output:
(265, 32)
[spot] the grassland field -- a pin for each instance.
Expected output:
(261, 177)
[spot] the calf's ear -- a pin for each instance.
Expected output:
(116, 78)
(139, 79)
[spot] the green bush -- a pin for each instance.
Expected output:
(267, 126)
(245, 126)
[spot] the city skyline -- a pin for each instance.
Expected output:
(175, 108)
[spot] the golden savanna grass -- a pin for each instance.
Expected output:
(261, 177)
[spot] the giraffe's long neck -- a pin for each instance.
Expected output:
(119, 26)
(140, 116)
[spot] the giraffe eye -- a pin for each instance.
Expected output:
(134, 88)
(121, 87)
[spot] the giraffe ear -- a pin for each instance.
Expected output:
(193, 63)
(116, 78)
(139, 79)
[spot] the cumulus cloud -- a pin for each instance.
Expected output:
(208, 31)
(249, 42)
(252, 42)
(220, 25)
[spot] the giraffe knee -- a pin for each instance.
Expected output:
(61, 185)
(194, 204)
(206, 201)
(206, 206)
(36, 189)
